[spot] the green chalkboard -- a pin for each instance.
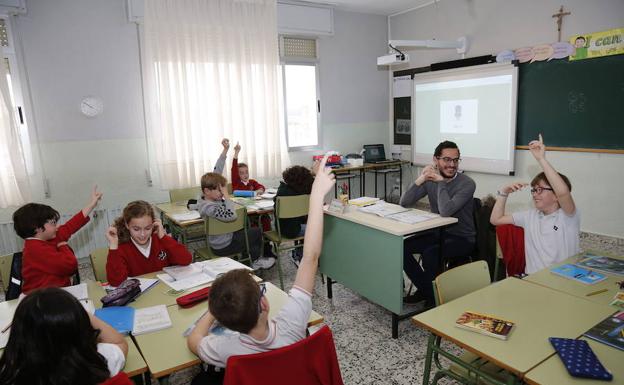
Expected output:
(575, 105)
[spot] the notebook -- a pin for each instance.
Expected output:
(609, 331)
(578, 274)
(602, 263)
(485, 324)
(127, 320)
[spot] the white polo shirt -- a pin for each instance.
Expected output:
(548, 239)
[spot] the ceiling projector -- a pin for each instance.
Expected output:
(394, 58)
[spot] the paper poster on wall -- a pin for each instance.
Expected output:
(403, 120)
(598, 44)
(402, 86)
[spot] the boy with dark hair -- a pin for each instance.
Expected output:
(236, 301)
(450, 194)
(47, 260)
(551, 229)
(216, 203)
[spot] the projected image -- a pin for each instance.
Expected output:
(459, 116)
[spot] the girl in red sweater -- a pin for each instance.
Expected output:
(138, 245)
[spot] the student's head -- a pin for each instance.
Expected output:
(211, 184)
(446, 158)
(136, 222)
(243, 172)
(543, 195)
(52, 342)
(298, 178)
(579, 42)
(236, 301)
(36, 220)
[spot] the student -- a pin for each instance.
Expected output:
(551, 229)
(450, 194)
(138, 244)
(236, 301)
(47, 260)
(298, 180)
(240, 175)
(216, 203)
(55, 341)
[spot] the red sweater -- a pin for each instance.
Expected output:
(237, 183)
(45, 265)
(127, 260)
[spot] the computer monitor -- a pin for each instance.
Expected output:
(374, 153)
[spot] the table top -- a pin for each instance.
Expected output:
(537, 311)
(180, 208)
(552, 371)
(352, 214)
(545, 278)
(135, 364)
(176, 356)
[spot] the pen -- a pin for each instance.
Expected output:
(6, 328)
(190, 328)
(596, 292)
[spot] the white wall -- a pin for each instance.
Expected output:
(494, 25)
(88, 47)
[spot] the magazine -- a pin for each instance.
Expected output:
(609, 331)
(485, 324)
(602, 263)
(578, 274)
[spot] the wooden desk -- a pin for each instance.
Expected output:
(552, 371)
(135, 364)
(364, 252)
(546, 278)
(539, 312)
(166, 351)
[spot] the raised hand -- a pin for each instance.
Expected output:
(511, 188)
(159, 229)
(93, 201)
(226, 144)
(537, 148)
(237, 148)
(111, 236)
(324, 180)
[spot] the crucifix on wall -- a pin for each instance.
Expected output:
(559, 15)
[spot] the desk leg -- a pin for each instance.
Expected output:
(428, 358)
(163, 380)
(362, 183)
(440, 253)
(400, 181)
(395, 326)
(330, 294)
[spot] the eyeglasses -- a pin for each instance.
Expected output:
(262, 292)
(538, 190)
(446, 159)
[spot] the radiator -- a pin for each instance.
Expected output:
(88, 238)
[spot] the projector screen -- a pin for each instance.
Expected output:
(474, 107)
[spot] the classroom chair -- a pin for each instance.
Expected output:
(311, 361)
(286, 207)
(467, 368)
(98, 259)
(5, 270)
(384, 172)
(184, 194)
(473, 255)
(230, 190)
(213, 226)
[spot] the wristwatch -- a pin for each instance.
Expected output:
(500, 194)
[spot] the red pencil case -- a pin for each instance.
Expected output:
(192, 299)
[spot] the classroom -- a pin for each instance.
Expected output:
(92, 108)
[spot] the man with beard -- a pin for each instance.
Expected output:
(450, 195)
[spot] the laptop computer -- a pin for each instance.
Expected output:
(375, 153)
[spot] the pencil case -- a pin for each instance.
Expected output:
(244, 193)
(192, 299)
(579, 359)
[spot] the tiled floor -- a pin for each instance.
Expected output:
(362, 333)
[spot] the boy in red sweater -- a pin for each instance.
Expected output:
(47, 260)
(240, 175)
(139, 245)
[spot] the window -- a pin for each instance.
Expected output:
(300, 92)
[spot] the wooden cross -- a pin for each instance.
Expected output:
(559, 17)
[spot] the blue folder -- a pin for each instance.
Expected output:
(121, 318)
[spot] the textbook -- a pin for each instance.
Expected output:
(578, 274)
(485, 324)
(609, 331)
(602, 263)
(127, 320)
(198, 273)
(383, 209)
(363, 201)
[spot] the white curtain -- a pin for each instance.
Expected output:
(14, 186)
(211, 71)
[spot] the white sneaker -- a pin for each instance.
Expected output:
(263, 263)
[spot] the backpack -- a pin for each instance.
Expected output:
(15, 277)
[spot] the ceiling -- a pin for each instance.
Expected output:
(380, 7)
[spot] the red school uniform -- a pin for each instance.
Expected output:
(252, 185)
(45, 265)
(127, 260)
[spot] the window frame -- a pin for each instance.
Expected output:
(307, 62)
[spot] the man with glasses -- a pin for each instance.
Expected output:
(450, 194)
(551, 229)
(238, 303)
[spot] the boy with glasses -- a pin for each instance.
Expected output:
(450, 194)
(237, 303)
(551, 229)
(47, 259)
